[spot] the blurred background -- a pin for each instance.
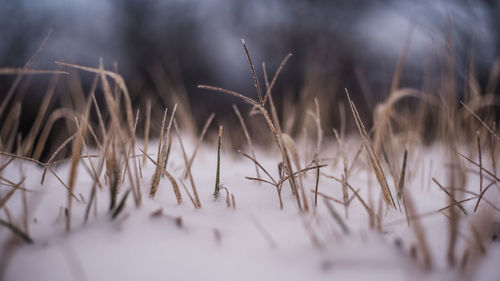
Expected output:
(165, 48)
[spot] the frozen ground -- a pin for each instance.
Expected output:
(255, 240)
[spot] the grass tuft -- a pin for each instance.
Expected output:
(374, 159)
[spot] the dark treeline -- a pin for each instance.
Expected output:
(336, 45)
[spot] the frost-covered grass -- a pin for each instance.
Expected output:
(255, 239)
(377, 204)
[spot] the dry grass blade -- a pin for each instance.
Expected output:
(464, 260)
(25, 218)
(402, 177)
(136, 190)
(481, 121)
(18, 232)
(75, 159)
(346, 174)
(94, 136)
(247, 136)
(188, 167)
(317, 182)
(157, 174)
(452, 198)
(200, 140)
(317, 120)
(23, 71)
(119, 81)
(146, 129)
(189, 194)
(10, 127)
(285, 178)
(252, 68)
(113, 172)
(269, 87)
(162, 134)
(401, 195)
(102, 127)
(480, 195)
(121, 205)
(89, 205)
(49, 162)
(54, 174)
(266, 80)
(179, 94)
(278, 184)
(264, 233)
(221, 90)
(479, 166)
(493, 151)
(328, 197)
(28, 64)
(217, 173)
(389, 201)
(356, 157)
(258, 165)
(175, 186)
(477, 239)
(419, 233)
(455, 177)
(290, 144)
(57, 114)
(162, 157)
(9, 194)
(370, 212)
(228, 197)
(341, 202)
(427, 214)
(93, 173)
(288, 169)
(12, 184)
(94, 185)
(6, 164)
(275, 77)
(336, 217)
(260, 180)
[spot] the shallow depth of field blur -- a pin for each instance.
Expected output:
(272, 140)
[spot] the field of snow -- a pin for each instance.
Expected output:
(252, 239)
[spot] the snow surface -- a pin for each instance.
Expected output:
(254, 241)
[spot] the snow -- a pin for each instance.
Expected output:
(254, 241)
